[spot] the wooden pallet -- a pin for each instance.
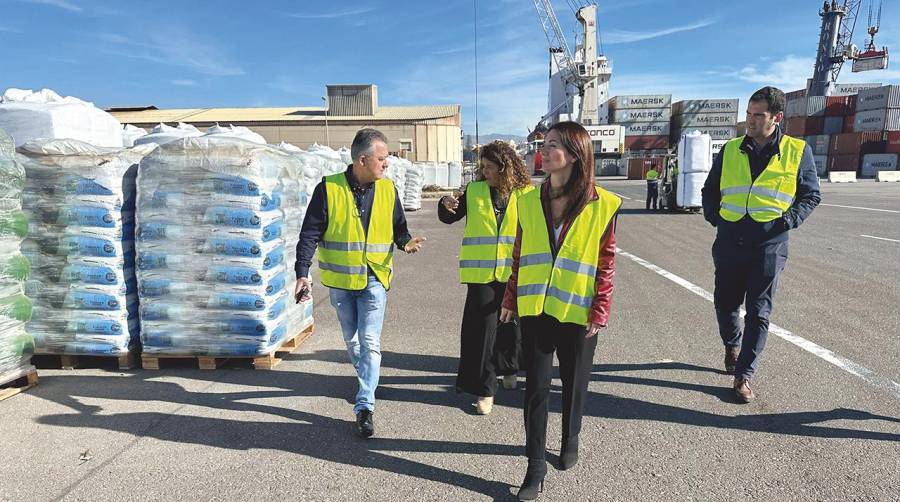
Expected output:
(18, 383)
(264, 362)
(73, 361)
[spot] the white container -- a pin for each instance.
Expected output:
(878, 98)
(629, 116)
(429, 172)
(851, 89)
(874, 162)
(715, 133)
(455, 175)
(691, 106)
(695, 153)
(821, 164)
(647, 129)
(442, 174)
(812, 106)
(641, 101)
(819, 144)
(877, 120)
(717, 145)
(707, 120)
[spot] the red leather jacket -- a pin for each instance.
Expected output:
(606, 264)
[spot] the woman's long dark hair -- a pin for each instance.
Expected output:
(576, 140)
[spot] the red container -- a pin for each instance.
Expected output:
(843, 163)
(794, 95)
(892, 143)
(796, 127)
(836, 106)
(814, 126)
(851, 104)
(646, 142)
(856, 143)
(848, 122)
(637, 168)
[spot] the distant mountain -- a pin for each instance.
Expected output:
(487, 138)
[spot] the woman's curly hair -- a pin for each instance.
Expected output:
(513, 173)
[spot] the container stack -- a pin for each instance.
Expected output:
(646, 120)
(211, 248)
(80, 201)
(16, 345)
(878, 112)
(717, 118)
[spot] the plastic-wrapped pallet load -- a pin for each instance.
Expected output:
(131, 133)
(396, 172)
(415, 180)
(162, 134)
(694, 164)
(210, 248)
(429, 173)
(16, 345)
(80, 202)
(441, 174)
(233, 131)
(27, 115)
(455, 175)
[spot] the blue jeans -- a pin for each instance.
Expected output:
(361, 314)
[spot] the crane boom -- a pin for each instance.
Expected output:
(557, 42)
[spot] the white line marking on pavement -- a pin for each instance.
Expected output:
(863, 208)
(880, 238)
(623, 196)
(841, 362)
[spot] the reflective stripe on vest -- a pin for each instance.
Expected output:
(563, 288)
(773, 191)
(346, 251)
(486, 253)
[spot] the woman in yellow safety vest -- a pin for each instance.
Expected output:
(487, 349)
(561, 288)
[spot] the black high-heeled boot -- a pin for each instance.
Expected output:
(534, 480)
(568, 454)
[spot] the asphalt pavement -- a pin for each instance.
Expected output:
(660, 421)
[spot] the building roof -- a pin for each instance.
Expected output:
(144, 115)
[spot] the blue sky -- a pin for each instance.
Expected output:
(282, 53)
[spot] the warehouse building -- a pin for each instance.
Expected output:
(418, 133)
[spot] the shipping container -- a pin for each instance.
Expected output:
(836, 106)
(874, 162)
(647, 142)
(857, 142)
(819, 144)
(848, 123)
(814, 126)
(843, 163)
(690, 106)
(647, 129)
(789, 96)
(892, 142)
(629, 116)
(715, 133)
(812, 106)
(642, 101)
(852, 89)
(638, 167)
(795, 126)
(877, 120)
(851, 104)
(833, 125)
(705, 120)
(878, 98)
(717, 146)
(821, 164)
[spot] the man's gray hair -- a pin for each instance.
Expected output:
(364, 142)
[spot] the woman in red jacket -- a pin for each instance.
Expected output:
(563, 319)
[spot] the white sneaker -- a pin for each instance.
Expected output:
(484, 405)
(510, 382)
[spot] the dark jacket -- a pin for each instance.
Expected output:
(316, 220)
(606, 263)
(746, 231)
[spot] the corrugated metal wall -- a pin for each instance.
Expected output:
(352, 100)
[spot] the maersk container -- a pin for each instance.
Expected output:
(706, 120)
(717, 146)
(874, 162)
(715, 133)
(691, 106)
(647, 129)
(630, 116)
(878, 98)
(877, 120)
(645, 101)
(819, 144)
(811, 106)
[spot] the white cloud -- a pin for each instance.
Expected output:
(7, 29)
(62, 4)
(184, 82)
(172, 46)
(788, 73)
(624, 37)
(344, 13)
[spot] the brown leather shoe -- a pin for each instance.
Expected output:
(742, 390)
(731, 357)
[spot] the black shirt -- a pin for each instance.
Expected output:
(316, 220)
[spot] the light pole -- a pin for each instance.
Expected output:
(327, 139)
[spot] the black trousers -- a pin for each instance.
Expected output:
(487, 349)
(543, 335)
(652, 194)
(746, 275)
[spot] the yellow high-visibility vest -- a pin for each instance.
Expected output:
(346, 250)
(562, 288)
(486, 252)
(773, 191)
(652, 175)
